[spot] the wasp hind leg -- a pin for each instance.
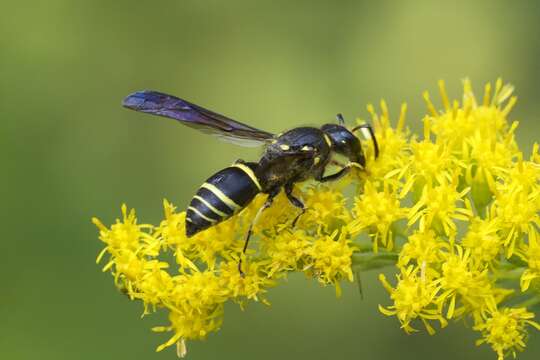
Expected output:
(295, 201)
(266, 205)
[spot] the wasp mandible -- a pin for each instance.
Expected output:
(290, 157)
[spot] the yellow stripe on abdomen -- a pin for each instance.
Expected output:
(196, 211)
(249, 173)
(210, 207)
(221, 196)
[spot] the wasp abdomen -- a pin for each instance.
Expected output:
(221, 196)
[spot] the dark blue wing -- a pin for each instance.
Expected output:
(156, 103)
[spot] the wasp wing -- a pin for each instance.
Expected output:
(156, 103)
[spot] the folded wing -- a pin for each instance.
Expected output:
(156, 103)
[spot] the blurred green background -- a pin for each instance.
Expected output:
(69, 151)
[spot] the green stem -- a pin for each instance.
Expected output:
(371, 261)
(530, 302)
(509, 273)
(364, 247)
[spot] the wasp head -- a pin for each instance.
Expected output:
(345, 143)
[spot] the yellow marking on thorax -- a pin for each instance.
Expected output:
(210, 220)
(284, 147)
(316, 160)
(226, 200)
(328, 140)
(249, 173)
(306, 148)
(208, 205)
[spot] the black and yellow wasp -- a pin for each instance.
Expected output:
(290, 157)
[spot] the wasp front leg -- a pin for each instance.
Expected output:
(341, 173)
(338, 175)
(295, 201)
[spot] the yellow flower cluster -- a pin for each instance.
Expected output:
(204, 274)
(472, 222)
(457, 212)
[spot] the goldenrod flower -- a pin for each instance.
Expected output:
(325, 207)
(531, 254)
(439, 206)
(463, 280)
(431, 161)
(482, 240)
(422, 247)
(518, 211)
(376, 211)
(393, 145)
(287, 251)
(248, 286)
(330, 259)
(456, 210)
(414, 298)
(505, 330)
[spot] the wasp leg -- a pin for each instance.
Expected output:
(371, 134)
(295, 201)
(335, 176)
(266, 205)
(344, 171)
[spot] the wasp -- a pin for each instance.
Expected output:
(288, 158)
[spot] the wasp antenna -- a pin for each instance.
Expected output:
(340, 119)
(368, 133)
(364, 125)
